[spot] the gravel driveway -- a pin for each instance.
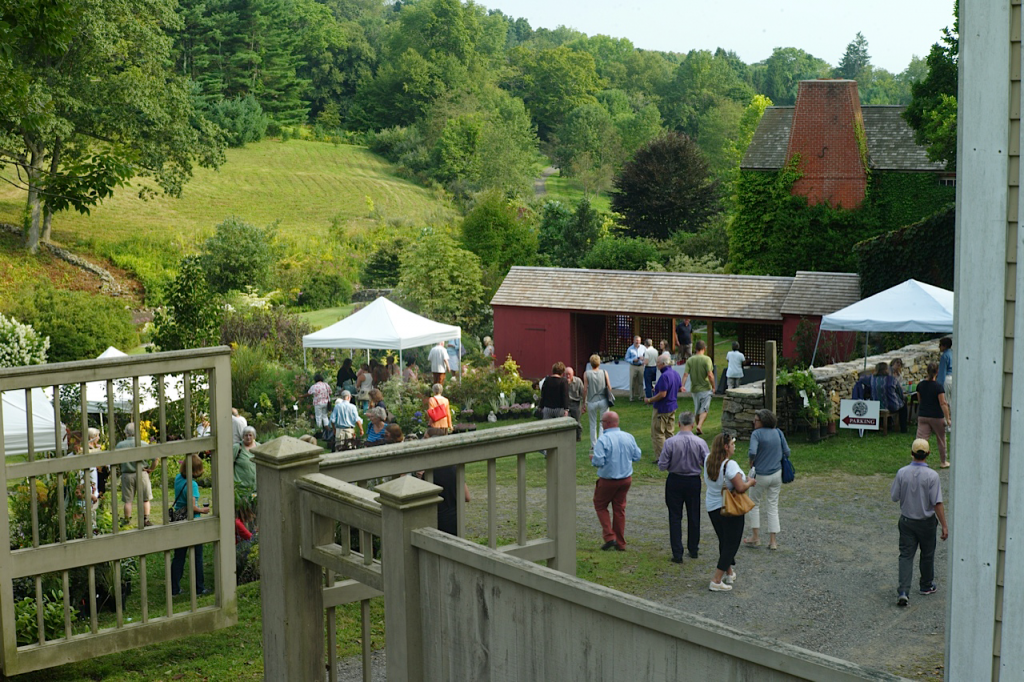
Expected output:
(830, 588)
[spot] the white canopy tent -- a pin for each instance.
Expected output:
(908, 307)
(382, 325)
(15, 419)
(96, 391)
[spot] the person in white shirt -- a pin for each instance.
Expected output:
(439, 364)
(734, 373)
(636, 358)
(650, 368)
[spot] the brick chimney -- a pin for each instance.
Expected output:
(826, 123)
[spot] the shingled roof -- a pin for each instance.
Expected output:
(676, 294)
(890, 141)
(821, 293)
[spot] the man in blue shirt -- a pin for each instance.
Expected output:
(665, 401)
(635, 359)
(345, 418)
(614, 454)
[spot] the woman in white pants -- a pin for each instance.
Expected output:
(767, 448)
(595, 404)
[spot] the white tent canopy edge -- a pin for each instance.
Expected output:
(908, 307)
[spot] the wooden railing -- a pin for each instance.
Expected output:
(324, 502)
(80, 544)
(459, 610)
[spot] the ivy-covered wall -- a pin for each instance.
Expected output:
(904, 198)
(776, 233)
(923, 251)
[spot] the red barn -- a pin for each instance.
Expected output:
(543, 315)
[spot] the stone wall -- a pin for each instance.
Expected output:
(740, 403)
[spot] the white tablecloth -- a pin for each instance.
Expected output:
(618, 372)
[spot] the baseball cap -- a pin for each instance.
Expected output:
(920, 445)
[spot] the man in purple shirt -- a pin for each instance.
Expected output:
(683, 458)
(665, 401)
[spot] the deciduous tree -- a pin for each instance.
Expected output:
(666, 187)
(191, 318)
(932, 109)
(442, 281)
(90, 101)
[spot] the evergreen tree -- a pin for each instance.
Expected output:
(856, 59)
(933, 107)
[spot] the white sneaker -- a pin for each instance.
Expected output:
(729, 579)
(719, 587)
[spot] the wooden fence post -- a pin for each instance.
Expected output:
(292, 588)
(561, 499)
(771, 366)
(407, 503)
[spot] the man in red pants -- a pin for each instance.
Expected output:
(614, 454)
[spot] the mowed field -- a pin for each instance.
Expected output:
(303, 184)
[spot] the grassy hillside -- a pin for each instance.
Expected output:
(303, 184)
(306, 187)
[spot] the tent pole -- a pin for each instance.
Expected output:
(401, 363)
(304, 358)
(866, 335)
(816, 341)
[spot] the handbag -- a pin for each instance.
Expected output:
(608, 395)
(437, 412)
(734, 503)
(175, 514)
(788, 472)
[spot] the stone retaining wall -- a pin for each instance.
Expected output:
(740, 403)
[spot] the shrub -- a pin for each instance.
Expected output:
(620, 253)
(276, 332)
(239, 254)
(80, 325)
(53, 617)
(154, 263)
(324, 290)
(191, 317)
(20, 344)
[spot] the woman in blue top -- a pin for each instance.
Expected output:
(180, 500)
(720, 471)
(767, 448)
(375, 431)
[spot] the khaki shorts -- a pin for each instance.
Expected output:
(128, 487)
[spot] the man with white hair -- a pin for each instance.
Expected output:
(665, 402)
(345, 418)
(635, 358)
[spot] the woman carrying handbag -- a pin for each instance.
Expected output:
(722, 476)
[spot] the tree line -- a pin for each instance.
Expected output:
(99, 92)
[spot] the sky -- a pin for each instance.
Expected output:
(895, 30)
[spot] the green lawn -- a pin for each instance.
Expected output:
(327, 316)
(562, 189)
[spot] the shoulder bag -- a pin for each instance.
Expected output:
(788, 472)
(608, 395)
(734, 503)
(437, 412)
(175, 514)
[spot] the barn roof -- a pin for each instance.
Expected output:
(890, 141)
(821, 293)
(676, 294)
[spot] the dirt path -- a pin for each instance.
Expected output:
(540, 184)
(831, 586)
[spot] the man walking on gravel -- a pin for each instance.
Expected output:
(614, 454)
(683, 458)
(919, 493)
